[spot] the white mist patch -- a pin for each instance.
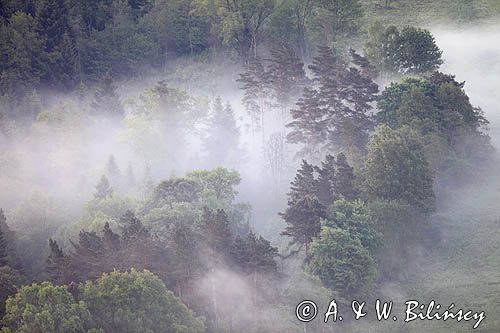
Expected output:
(473, 55)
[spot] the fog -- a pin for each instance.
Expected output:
(63, 155)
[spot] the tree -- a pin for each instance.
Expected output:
(137, 301)
(344, 183)
(342, 263)
(106, 101)
(46, 308)
(397, 169)
(286, 76)
(255, 83)
(303, 218)
(335, 114)
(103, 189)
(217, 234)
(223, 134)
(10, 282)
(112, 170)
(241, 22)
(339, 18)
(23, 54)
(52, 22)
(354, 217)
(411, 50)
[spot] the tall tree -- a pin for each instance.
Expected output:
(335, 114)
(103, 189)
(345, 181)
(106, 101)
(222, 139)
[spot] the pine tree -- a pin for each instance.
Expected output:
(103, 189)
(335, 113)
(304, 183)
(255, 83)
(106, 101)
(286, 75)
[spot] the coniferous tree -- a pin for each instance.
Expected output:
(335, 113)
(112, 171)
(106, 100)
(52, 21)
(103, 189)
(303, 219)
(55, 264)
(255, 83)
(216, 231)
(223, 133)
(286, 75)
(344, 182)
(325, 188)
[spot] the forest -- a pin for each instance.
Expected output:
(188, 166)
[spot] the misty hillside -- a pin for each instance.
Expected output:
(189, 166)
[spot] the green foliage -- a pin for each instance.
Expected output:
(137, 302)
(342, 263)
(356, 219)
(45, 308)
(411, 50)
(397, 169)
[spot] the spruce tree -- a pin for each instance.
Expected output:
(103, 189)
(223, 134)
(304, 183)
(55, 264)
(344, 182)
(326, 179)
(112, 171)
(216, 231)
(106, 100)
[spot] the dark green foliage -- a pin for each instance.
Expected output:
(303, 219)
(10, 282)
(344, 182)
(176, 190)
(339, 259)
(215, 228)
(356, 219)
(411, 50)
(254, 254)
(103, 189)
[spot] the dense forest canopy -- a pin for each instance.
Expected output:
(205, 165)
